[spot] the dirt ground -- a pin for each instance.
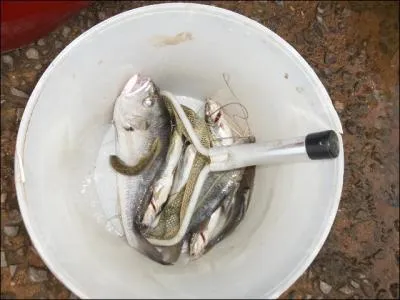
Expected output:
(354, 49)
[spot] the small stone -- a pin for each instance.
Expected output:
(339, 106)
(41, 42)
(45, 51)
(18, 93)
(324, 287)
(65, 32)
(329, 58)
(8, 60)
(346, 290)
(58, 44)
(38, 66)
(280, 3)
(11, 231)
(3, 260)
(367, 289)
(20, 252)
(37, 275)
(382, 294)
(319, 19)
(101, 15)
(32, 53)
(355, 284)
(13, 269)
(3, 197)
(327, 71)
(308, 296)
(351, 50)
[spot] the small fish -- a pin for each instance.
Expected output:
(232, 212)
(216, 188)
(219, 186)
(162, 187)
(142, 125)
(219, 126)
(225, 126)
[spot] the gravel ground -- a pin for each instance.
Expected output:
(354, 49)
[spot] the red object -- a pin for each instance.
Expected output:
(23, 22)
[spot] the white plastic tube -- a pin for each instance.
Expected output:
(243, 155)
(318, 145)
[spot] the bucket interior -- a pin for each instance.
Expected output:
(185, 49)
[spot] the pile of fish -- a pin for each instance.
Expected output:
(158, 167)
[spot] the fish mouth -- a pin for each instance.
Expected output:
(139, 84)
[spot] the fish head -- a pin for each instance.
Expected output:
(213, 111)
(139, 106)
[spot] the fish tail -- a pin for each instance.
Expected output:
(151, 251)
(121, 167)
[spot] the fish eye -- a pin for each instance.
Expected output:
(148, 102)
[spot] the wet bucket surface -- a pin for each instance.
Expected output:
(186, 48)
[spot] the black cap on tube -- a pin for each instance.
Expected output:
(322, 145)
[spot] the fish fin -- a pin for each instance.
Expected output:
(148, 249)
(121, 167)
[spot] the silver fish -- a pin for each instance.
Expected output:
(214, 191)
(233, 210)
(219, 187)
(142, 126)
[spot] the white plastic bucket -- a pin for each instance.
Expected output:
(69, 112)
